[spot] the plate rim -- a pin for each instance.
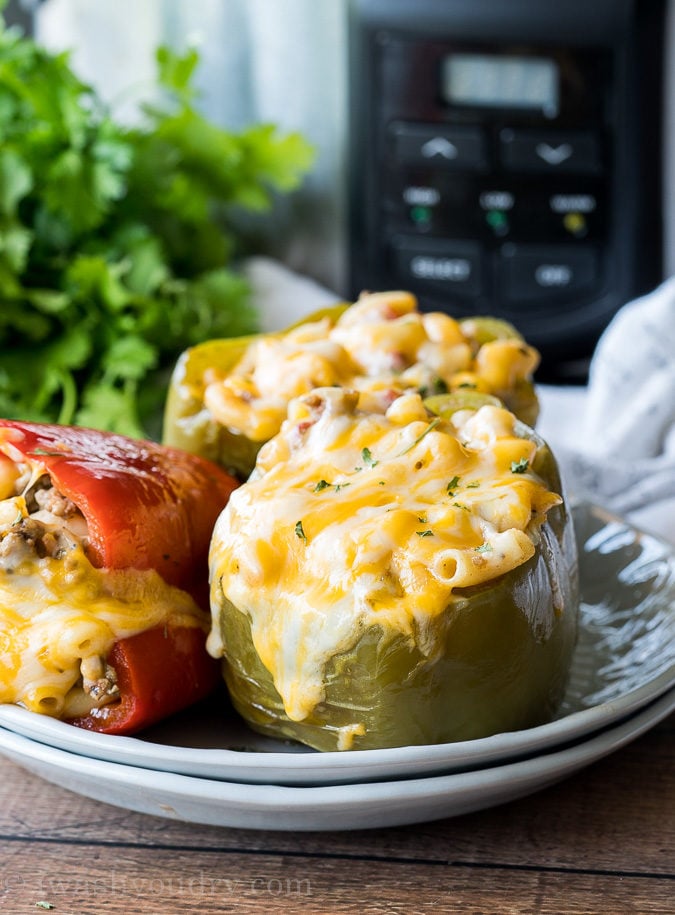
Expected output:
(305, 767)
(311, 808)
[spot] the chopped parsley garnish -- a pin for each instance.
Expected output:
(43, 451)
(452, 486)
(459, 505)
(368, 459)
(438, 386)
(299, 531)
(324, 484)
(484, 548)
(424, 533)
(432, 425)
(520, 466)
(473, 485)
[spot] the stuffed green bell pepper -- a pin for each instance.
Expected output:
(395, 577)
(228, 397)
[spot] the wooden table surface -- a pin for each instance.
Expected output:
(601, 841)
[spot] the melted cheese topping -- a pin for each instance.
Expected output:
(382, 346)
(354, 518)
(59, 615)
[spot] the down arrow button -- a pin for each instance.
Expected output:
(550, 151)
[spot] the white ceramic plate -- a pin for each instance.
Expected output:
(326, 807)
(625, 658)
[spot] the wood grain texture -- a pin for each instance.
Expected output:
(602, 841)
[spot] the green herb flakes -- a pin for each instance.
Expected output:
(452, 486)
(432, 425)
(299, 531)
(368, 459)
(484, 548)
(520, 466)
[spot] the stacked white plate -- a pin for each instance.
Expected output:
(205, 766)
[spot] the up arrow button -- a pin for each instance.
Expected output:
(570, 151)
(439, 146)
(443, 147)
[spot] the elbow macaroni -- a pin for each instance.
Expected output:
(382, 346)
(60, 615)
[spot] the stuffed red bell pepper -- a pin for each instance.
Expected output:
(103, 575)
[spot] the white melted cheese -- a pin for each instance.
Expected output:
(382, 346)
(57, 612)
(353, 519)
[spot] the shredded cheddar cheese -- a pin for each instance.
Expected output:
(354, 518)
(382, 347)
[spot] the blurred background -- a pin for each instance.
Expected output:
(511, 158)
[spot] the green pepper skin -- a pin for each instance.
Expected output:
(520, 399)
(503, 655)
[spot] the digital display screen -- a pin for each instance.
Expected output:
(491, 81)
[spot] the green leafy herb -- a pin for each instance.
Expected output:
(484, 548)
(324, 484)
(520, 466)
(452, 486)
(432, 425)
(117, 242)
(299, 531)
(424, 533)
(368, 459)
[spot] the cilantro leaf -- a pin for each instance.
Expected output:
(118, 243)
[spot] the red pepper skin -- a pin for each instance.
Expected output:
(147, 506)
(159, 672)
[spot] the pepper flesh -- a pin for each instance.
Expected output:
(159, 672)
(146, 507)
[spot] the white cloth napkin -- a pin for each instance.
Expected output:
(614, 439)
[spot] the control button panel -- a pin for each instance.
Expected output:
(512, 217)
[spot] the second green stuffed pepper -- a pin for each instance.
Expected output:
(395, 578)
(228, 397)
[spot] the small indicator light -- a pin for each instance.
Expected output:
(420, 215)
(575, 223)
(497, 221)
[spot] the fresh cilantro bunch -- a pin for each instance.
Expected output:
(117, 242)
